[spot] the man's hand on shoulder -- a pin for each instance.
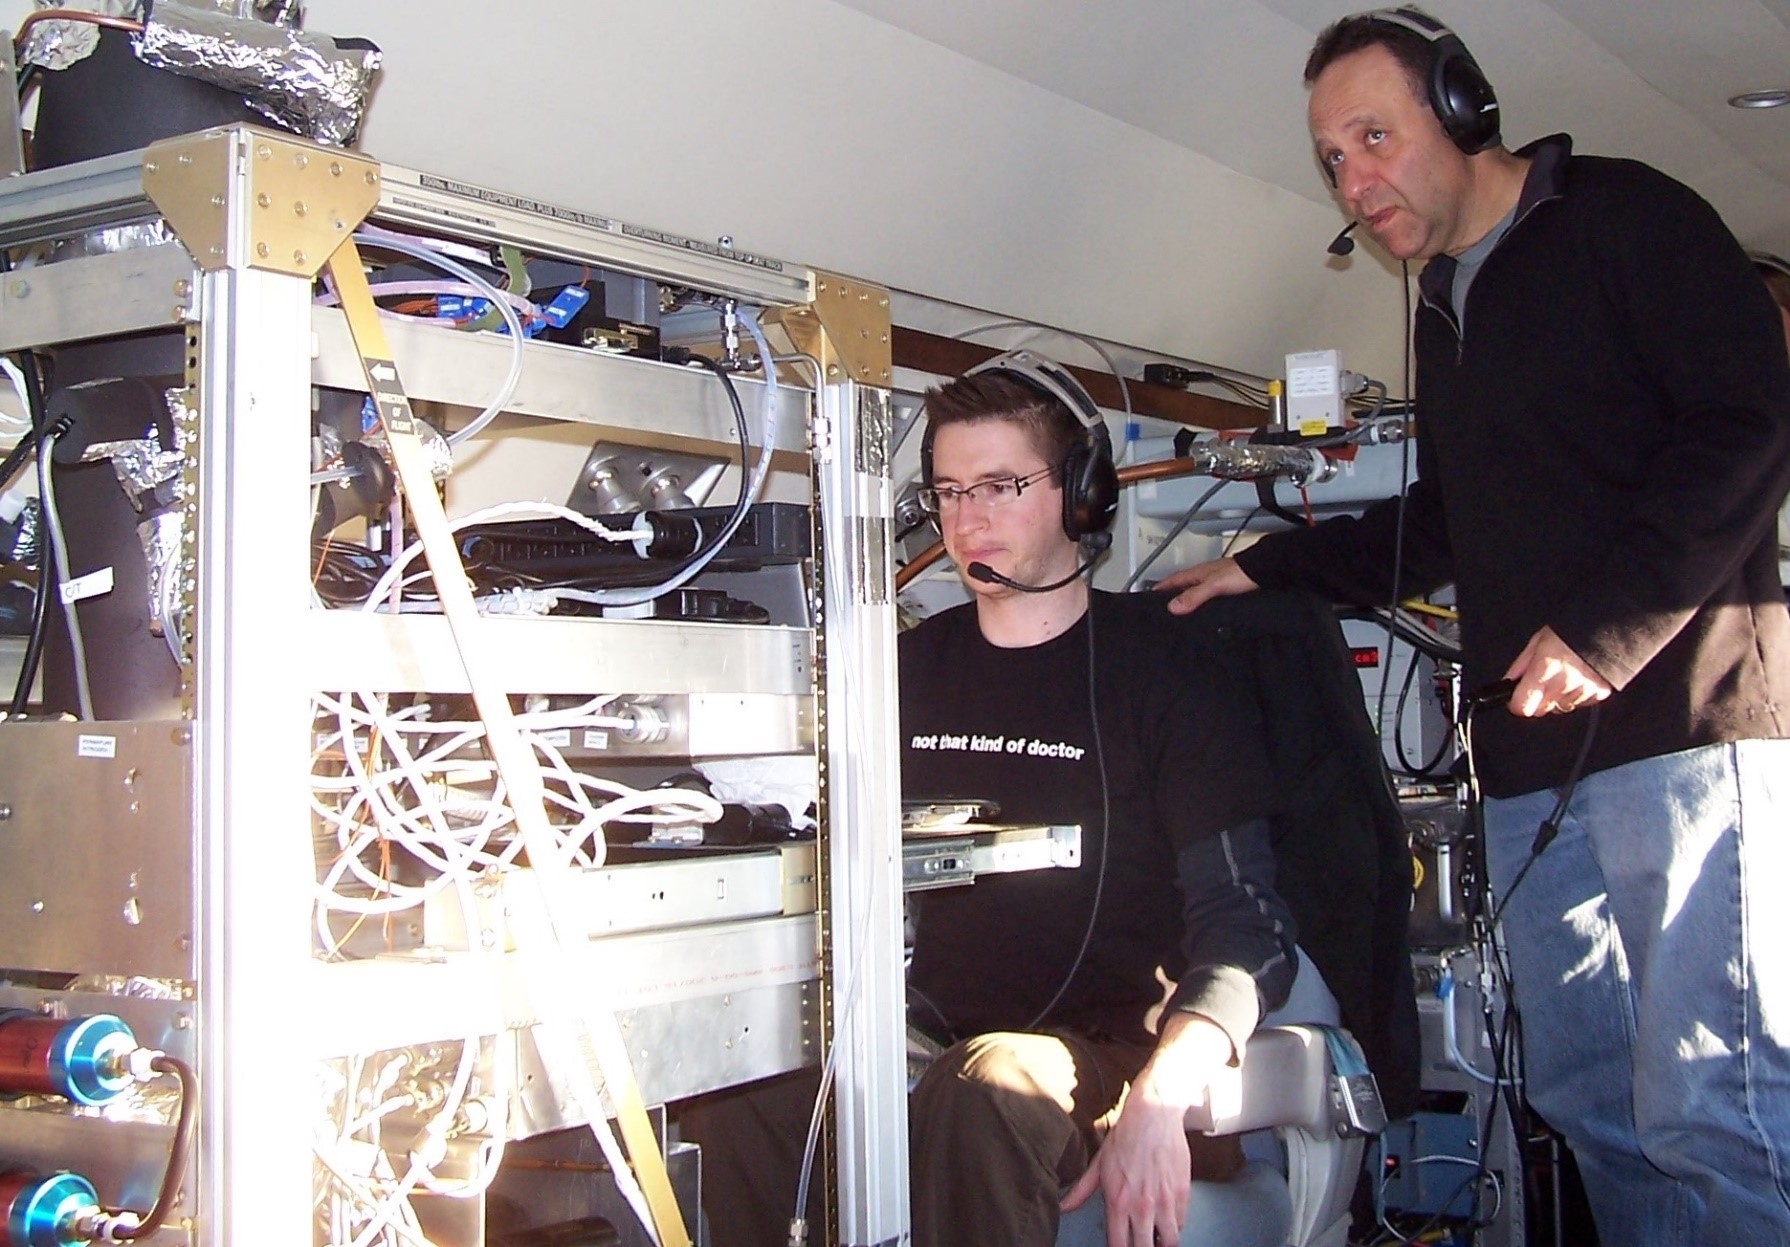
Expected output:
(1195, 586)
(1552, 679)
(1143, 1165)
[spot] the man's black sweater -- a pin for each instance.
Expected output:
(1602, 450)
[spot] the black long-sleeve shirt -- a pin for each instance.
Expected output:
(1603, 451)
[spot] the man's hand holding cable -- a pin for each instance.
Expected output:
(1551, 678)
(1143, 1167)
(1195, 586)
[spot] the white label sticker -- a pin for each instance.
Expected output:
(92, 585)
(96, 746)
(1310, 382)
(559, 737)
(596, 738)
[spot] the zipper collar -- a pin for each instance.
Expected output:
(1545, 180)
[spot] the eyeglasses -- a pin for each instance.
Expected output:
(985, 494)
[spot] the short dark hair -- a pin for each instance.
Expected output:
(997, 395)
(1359, 31)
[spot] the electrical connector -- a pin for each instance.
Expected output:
(139, 1063)
(1175, 376)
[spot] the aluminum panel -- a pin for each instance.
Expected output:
(96, 297)
(451, 207)
(383, 653)
(652, 403)
(59, 203)
(391, 1002)
(684, 1049)
(96, 868)
(647, 896)
(123, 1159)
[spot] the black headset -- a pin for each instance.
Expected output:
(1766, 262)
(1459, 94)
(1088, 476)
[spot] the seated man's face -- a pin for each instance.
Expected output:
(1020, 537)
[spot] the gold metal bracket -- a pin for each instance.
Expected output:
(847, 329)
(244, 197)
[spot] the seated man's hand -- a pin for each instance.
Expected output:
(1143, 1166)
(1195, 586)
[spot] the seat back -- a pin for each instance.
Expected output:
(1342, 861)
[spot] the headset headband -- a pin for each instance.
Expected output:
(1050, 377)
(1459, 94)
(1414, 20)
(1766, 260)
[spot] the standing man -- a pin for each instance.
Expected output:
(1604, 436)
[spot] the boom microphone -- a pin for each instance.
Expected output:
(989, 576)
(1342, 244)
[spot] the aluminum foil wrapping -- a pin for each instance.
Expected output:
(57, 45)
(143, 468)
(1245, 461)
(307, 83)
(436, 448)
(161, 538)
(141, 464)
(114, 238)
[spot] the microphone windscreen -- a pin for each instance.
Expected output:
(983, 572)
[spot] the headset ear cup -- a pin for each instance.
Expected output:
(1090, 485)
(1462, 98)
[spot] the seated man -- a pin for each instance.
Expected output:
(1047, 984)
(1065, 1074)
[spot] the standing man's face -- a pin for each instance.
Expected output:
(1396, 171)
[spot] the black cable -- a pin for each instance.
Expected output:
(1505, 1047)
(1404, 493)
(1266, 501)
(1179, 528)
(1398, 727)
(1106, 830)
(679, 355)
(17, 457)
(46, 563)
(1421, 639)
(1550, 826)
(1237, 536)
(175, 1173)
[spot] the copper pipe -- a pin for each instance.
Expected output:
(73, 15)
(1160, 470)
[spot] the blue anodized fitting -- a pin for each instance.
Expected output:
(43, 1212)
(85, 1058)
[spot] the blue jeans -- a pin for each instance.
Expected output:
(1650, 951)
